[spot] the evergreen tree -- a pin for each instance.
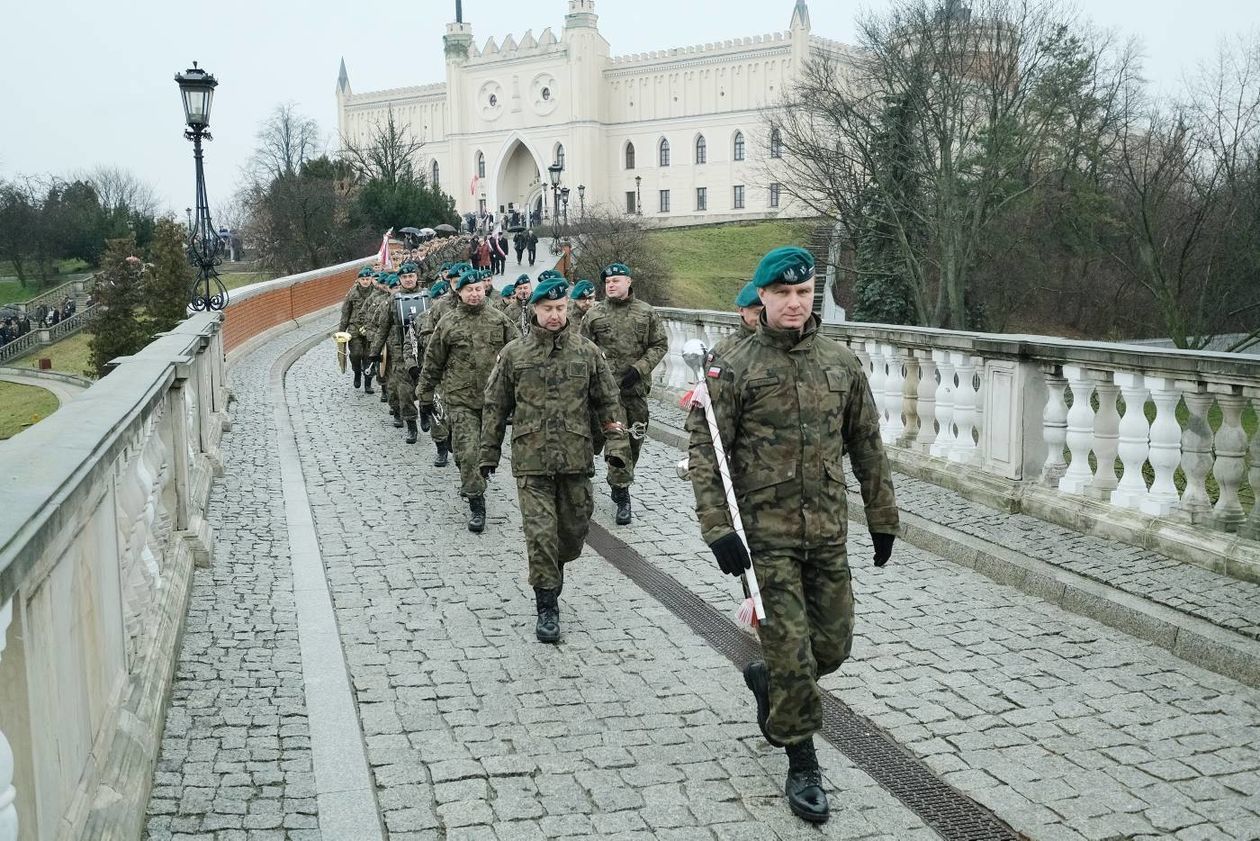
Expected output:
(168, 278)
(118, 330)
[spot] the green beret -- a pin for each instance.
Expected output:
(466, 278)
(549, 274)
(508, 291)
(551, 289)
(456, 269)
(446, 267)
(439, 289)
(408, 268)
(366, 271)
(582, 289)
(747, 296)
(789, 264)
(615, 270)
(522, 279)
(391, 280)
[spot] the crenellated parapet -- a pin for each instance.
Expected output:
(716, 49)
(510, 49)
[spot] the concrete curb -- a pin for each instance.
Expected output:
(1194, 640)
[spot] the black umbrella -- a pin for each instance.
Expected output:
(416, 232)
(445, 229)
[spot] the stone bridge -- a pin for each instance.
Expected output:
(233, 605)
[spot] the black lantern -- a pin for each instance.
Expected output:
(638, 195)
(582, 200)
(553, 172)
(205, 247)
(564, 204)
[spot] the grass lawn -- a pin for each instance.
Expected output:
(69, 356)
(235, 280)
(23, 405)
(711, 264)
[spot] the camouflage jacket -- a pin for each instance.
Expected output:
(727, 342)
(788, 406)
(519, 314)
(631, 335)
(576, 317)
(552, 384)
(358, 311)
(389, 332)
(429, 323)
(460, 354)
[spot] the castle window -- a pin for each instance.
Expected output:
(737, 199)
(739, 145)
(629, 156)
(481, 165)
(664, 161)
(664, 201)
(702, 150)
(776, 143)
(560, 154)
(775, 190)
(702, 198)
(434, 177)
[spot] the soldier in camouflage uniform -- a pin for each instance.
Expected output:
(748, 305)
(552, 380)
(356, 319)
(437, 427)
(517, 309)
(404, 363)
(378, 308)
(789, 403)
(633, 338)
(582, 299)
(458, 358)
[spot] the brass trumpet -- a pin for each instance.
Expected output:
(342, 340)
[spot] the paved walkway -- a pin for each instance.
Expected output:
(63, 390)
(634, 726)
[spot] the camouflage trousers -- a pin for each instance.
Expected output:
(466, 446)
(808, 596)
(357, 351)
(401, 391)
(555, 516)
(635, 407)
(440, 431)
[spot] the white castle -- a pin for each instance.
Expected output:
(679, 134)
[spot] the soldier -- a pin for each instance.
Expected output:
(551, 381)
(517, 309)
(404, 359)
(633, 338)
(583, 297)
(789, 403)
(356, 318)
(380, 302)
(458, 358)
(437, 427)
(505, 296)
(748, 305)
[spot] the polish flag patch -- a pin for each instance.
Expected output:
(714, 372)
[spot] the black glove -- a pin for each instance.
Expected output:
(630, 378)
(616, 462)
(883, 547)
(731, 555)
(414, 373)
(487, 470)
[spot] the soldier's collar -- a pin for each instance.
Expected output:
(786, 339)
(621, 302)
(545, 336)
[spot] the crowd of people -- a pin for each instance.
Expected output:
(777, 407)
(17, 324)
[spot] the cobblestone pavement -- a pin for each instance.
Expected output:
(1064, 727)
(631, 728)
(235, 762)
(1149, 575)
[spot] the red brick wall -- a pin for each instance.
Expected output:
(254, 313)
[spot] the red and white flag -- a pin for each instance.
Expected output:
(383, 254)
(472, 186)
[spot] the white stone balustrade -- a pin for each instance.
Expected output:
(973, 410)
(98, 547)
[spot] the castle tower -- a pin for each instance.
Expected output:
(799, 30)
(588, 57)
(343, 94)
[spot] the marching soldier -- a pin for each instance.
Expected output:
(356, 312)
(517, 309)
(633, 338)
(583, 297)
(551, 381)
(748, 305)
(458, 359)
(505, 296)
(438, 428)
(404, 361)
(789, 403)
(378, 308)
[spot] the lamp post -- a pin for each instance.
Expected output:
(638, 195)
(582, 201)
(196, 89)
(564, 206)
(553, 172)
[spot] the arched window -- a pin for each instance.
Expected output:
(560, 154)
(481, 165)
(664, 160)
(776, 143)
(434, 177)
(739, 146)
(702, 150)
(629, 156)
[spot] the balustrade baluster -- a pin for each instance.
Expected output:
(8, 794)
(978, 421)
(927, 401)
(1165, 447)
(1251, 528)
(894, 394)
(1134, 442)
(964, 450)
(944, 442)
(1054, 427)
(910, 397)
(1106, 437)
(879, 376)
(1196, 451)
(1231, 450)
(1080, 430)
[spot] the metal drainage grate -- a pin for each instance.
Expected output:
(954, 815)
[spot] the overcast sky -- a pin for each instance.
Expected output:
(85, 84)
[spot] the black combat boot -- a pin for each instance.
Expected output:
(548, 627)
(621, 496)
(358, 374)
(757, 678)
(398, 421)
(440, 459)
(412, 432)
(476, 514)
(804, 789)
(384, 391)
(367, 384)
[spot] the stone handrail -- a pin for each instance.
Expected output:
(41, 335)
(1014, 421)
(20, 346)
(73, 288)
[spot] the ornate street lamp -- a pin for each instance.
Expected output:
(553, 172)
(638, 195)
(564, 205)
(205, 248)
(582, 200)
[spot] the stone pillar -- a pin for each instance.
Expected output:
(1196, 451)
(894, 395)
(926, 401)
(1106, 437)
(944, 442)
(1165, 447)
(1231, 450)
(964, 450)
(1054, 427)
(879, 376)
(1134, 443)
(1080, 430)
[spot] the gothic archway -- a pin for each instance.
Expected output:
(518, 172)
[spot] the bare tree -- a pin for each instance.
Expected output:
(609, 235)
(286, 140)
(119, 188)
(388, 153)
